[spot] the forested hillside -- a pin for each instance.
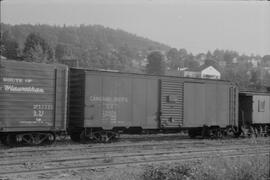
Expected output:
(98, 47)
(94, 46)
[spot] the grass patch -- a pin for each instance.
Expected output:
(216, 168)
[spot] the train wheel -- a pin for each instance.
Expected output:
(217, 133)
(50, 140)
(262, 131)
(97, 136)
(253, 132)
(230, 132)
(34, 139)
(267, 130)
(101, 137)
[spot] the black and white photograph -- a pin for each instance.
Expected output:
(134, 90)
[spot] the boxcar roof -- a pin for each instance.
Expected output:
(149, 75)
(22, 64)
(252, 93)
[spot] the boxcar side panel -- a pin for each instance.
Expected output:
(211, 97)
(261, 109)
(171, 103)
(152, 110)
(194, 104)
(32, 97)
(120, 100)
(139, 108)
(209, 104)
(92, 101)
(233, 105)
(222, 105)
(108, 101)
(117, 105)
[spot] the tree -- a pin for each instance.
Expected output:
(10, 47)
(266, 79)
(209, 55)
(156, 63)
(36, 49)
(229, 56)
(63, 51)
(190, 62)
(266, 60)
(173, 57)
(211, 62)
(238, 74)
(218, 55)
(183, 54)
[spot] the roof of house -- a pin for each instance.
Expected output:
(202, 67)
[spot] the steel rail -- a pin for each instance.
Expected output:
(182, 155)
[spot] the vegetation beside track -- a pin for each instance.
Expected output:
(215, 168)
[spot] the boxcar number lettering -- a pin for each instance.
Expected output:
(109, 112)
(39, 111)
(110, 106)
(43, 106)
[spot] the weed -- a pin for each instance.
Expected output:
(215, 168)
(108, 159)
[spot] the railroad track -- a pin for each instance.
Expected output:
(89, 152)
(74, 146)
(116, 159)
(116, 147)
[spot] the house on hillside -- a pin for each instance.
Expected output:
(204, 71)
(254, 62)
(210, 72)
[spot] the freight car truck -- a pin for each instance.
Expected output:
(33, 102)
(105, 103)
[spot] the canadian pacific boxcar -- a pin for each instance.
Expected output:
(33, 102)
(104, 103)
(254, 112)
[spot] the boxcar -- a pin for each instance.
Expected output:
(33, 102)
(104, 103)
(254, 112)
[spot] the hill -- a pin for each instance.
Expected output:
(95, 46)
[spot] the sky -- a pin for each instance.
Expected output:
(198, 26)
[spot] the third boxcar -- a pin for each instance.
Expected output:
(254, 112)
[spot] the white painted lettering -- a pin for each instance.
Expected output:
(108, 99)
(16, 80)
(13, 80)
(11, 88)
